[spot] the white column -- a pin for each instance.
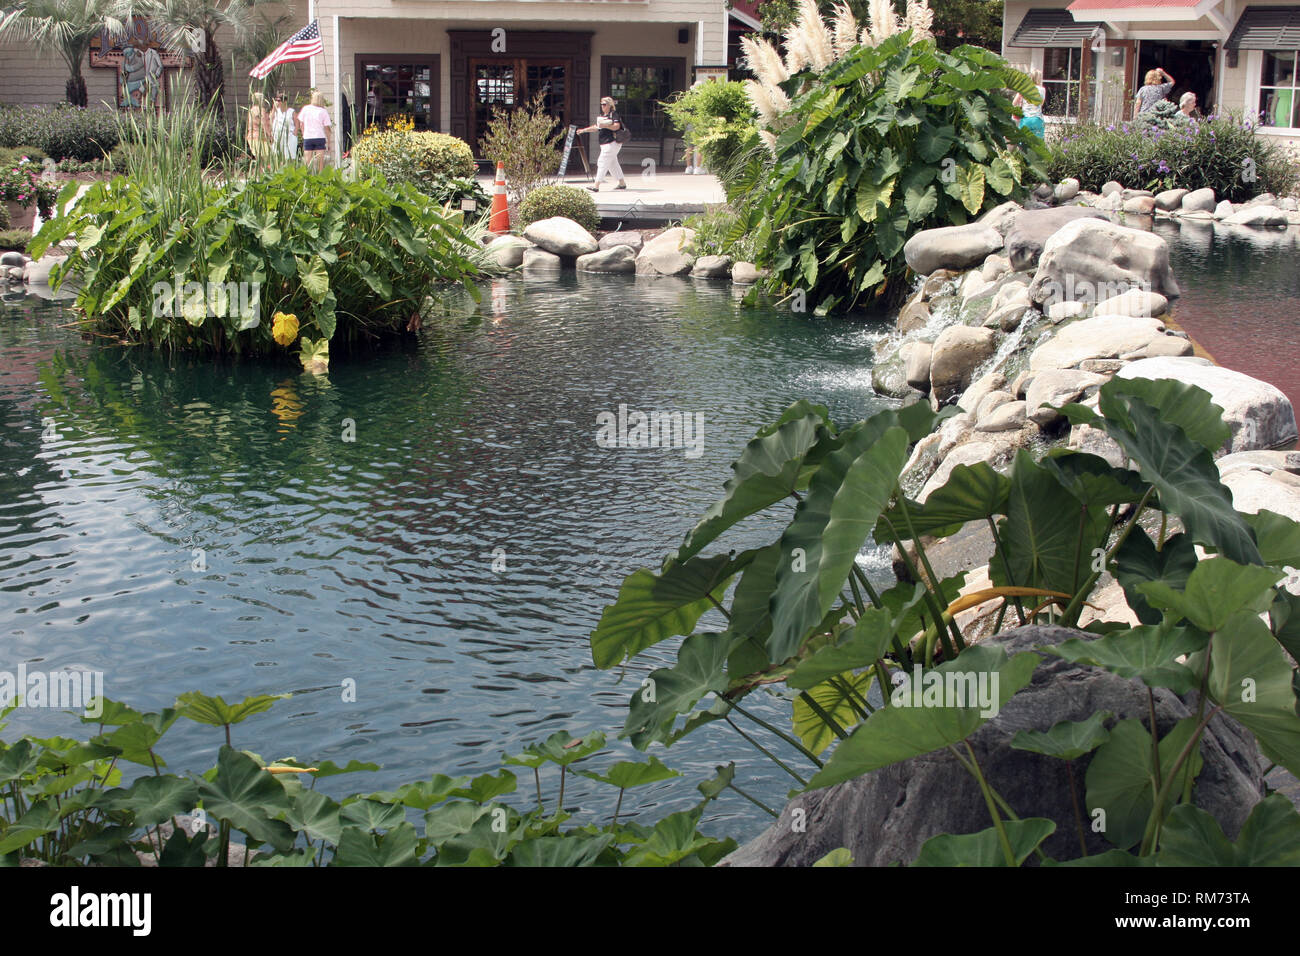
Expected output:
(699, 43)
(338, 98)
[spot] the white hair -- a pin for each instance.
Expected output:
(1186, 98)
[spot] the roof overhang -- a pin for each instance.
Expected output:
(1266, 28)
(1182, 12)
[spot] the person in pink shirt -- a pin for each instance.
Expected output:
(317, 133)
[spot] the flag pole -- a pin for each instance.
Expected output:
(338, 98)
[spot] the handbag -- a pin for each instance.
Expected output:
(622, 134)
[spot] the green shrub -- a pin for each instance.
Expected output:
(715, 117)
(526, 140)
(418, 157)
(333, 260)
(716, 234)
(13, 239)
(442, 189)
(4, 217)
(9, 155)
(61, 131)
(559, 200)
(886, 141)
(1221, 152)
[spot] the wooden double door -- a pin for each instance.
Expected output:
(511, 82)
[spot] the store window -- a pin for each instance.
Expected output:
(640, 86)
(1278, 103)
(1062, 67)
(394, 85)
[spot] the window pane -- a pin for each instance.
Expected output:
(1279, 69)
(639, 88)
(1062, 98)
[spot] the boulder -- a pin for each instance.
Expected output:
(1007, 317)
(978, 390)
(664, 254)
(1033, 228)
(1109, 203)
(1103, 336)
(1112, 188)
(914, 316)
(614, 259)
(1257, 216)
(539, 260)
(1056, 387)
(889, 377)
(1263, 480)
(1005, 418)
(1060, 311)
(1224, 209)
(916, 364)
(1199, 200)
(995, 267)
(957, 352)
(1162, 345)
(561, 236)
(1139, 205)
(1131, 193)
(622, 238)
(745, 273)
(1134, 302)
(950, 247)
(1094, 441)
(1263, 199)
(994, 399)
(974, 286)
(1092, 259)
(1257, 413)
(885, 816)
(711, 267)
(1066, 190)
(508, 251)
(14, 274)
(967, 453)
(13, 259)
(1288, 204)
(37, 271)
(1000, 217)
(936, 282)
(1170, 199)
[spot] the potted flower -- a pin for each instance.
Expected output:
(24, 192)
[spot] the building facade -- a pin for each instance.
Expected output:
(1236, 57)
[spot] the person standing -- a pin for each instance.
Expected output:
(1153, 91)
(606, 125)
(317, 134)
(1187, 106)
(257, 137)
(1031, 114)
(284, 131)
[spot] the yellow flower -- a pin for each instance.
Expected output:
(284, 328)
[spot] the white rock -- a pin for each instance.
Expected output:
(1258, 216)
(1170, 199)
(975, 393)
(745, 273)
(1199, 200)
(991, 401)
(622, 238)
(1224, 209)
(1066, 190)
(508, 251)
(1111, 188)
(916, 361)
(1095, 258)
(539, 260)
(1005, 418)
(1258, 414)
(958, 351)
(1105, 336)
(711, 267)
(1056, 387)
(950, 247)
(1134, 302)
(560, 236)
(995, 267)
(614, 259)
(665, 254)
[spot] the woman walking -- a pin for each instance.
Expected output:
(317, 136)
(1153, 91)
(607, 124)
(1031, 115)
(283, 131)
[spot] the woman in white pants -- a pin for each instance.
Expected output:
(606, 124)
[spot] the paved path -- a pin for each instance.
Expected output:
(665, 195)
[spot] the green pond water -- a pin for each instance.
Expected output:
(325, 560)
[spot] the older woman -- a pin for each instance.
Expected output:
(1187, 105)
(257, 137)
(1031, 115)
(1153, 91)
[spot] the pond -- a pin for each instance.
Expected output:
(183, 524)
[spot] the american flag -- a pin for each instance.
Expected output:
(303, 45)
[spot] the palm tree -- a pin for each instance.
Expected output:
(66, 27)
(265, 33)
(191, 26)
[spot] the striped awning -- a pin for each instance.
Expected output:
(1267, 28)
(1051, 27)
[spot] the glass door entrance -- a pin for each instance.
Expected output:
(509, 82)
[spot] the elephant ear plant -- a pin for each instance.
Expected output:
(802, 613)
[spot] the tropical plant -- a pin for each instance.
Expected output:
(65, 28)
(715, 234)
(558, 199)
(803, 613)
(715, 117)
(106, 801)
(526, 139)
(869, 143)
(1223, 152)
(333, 260)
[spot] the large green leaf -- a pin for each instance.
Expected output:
(248, 797)
(766, 472)
(215, 711)
(40, 819)
(1120, 782)
(833, 697)
(1270, 837)
(1137, 562)
(631, 773)
(867, 641)
(1216, 590)
(566, 851)
(1278, 538)
(654, 607)
(830, 526)
(371, 814)
(1068, 740)
(152, 799)
(900, 732)
(1092, 479)
(669, 691)
(359, 847)
(971, 493)
(984, 848)
(1150, 652)
(1189, 407)
(315, 815)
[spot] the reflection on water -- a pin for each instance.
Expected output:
(1240, 288)
(325, 559)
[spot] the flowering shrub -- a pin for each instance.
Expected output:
(1221, 152)
(406, 155)
(21, 182)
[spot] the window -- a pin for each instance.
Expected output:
(639, 86)
(1278, 103)
(1062, 66)
(389, 85)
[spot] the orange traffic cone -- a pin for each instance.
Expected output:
(500, 222)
